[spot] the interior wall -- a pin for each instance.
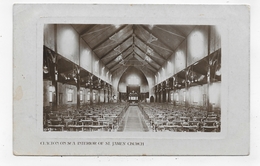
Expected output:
(115, 81)
(175, 63)
(117, 76)
(46, 84)
(192, 49)
(86, 55)
(215, 94)
(87, 98)
(170, 66)
(83, 95)
(167, 70)
(63, 89)
(104, 72)
(72, 47)
(49, 36)
(162, 96)
(95, 96)
(122, 87)
(180, 57)
(151, 83)
(215, 39)
(96, 67)
(132, 71)
(182, 95)
(68, 42)
(197, 44)
(101, 96)
(90, 62)
(195, 94)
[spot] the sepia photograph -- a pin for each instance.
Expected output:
(131, 78)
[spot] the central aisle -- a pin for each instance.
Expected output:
(133, 120)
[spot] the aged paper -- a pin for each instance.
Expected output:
(29, 137)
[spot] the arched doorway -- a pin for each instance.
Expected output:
(151, 99)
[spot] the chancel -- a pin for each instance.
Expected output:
(131, 78)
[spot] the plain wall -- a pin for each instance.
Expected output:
(68, 42)
(132, 71)
(49, 36)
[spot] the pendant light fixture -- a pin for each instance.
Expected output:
(45, 69)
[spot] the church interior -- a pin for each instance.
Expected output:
(131, 78)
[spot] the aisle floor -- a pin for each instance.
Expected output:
(133, 120)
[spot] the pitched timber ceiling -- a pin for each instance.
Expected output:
(146, 47)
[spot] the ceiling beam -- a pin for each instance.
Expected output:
(128, 37)
(147, 71)
(194, 70)
(116, 67)
(123, 35)
(149, 56)
(101, 42)
(177, 33)
(121, 71)
(126, 57)
(103, 57)
(115, 63)
(86, 30)
(118, 63)
(150, 67)
(150, 32)
(64, 71)
(146, 61)
(159, 56)
(118, 55)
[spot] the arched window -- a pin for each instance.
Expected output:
(69, 94)
(88, 96)
(51, 91)
(176, 96)
(94, 96)
(81, 95)
(172, 96)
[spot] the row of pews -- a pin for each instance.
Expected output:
(166, 117)
(99, 117)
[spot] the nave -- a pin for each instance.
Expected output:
(131, 78)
